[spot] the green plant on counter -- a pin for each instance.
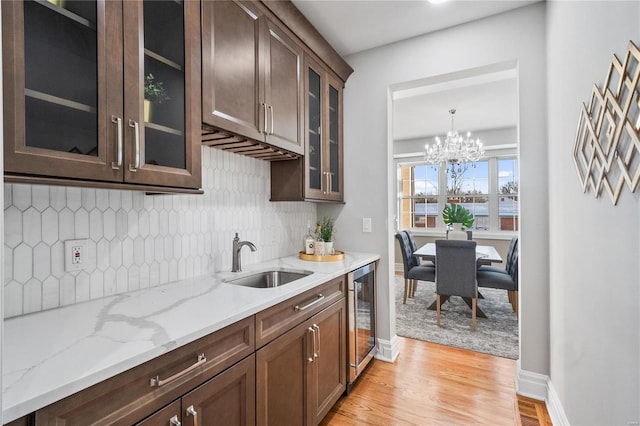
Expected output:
(455, 213)
(154, 90)
(326, 228)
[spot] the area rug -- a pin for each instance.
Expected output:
(495, 335)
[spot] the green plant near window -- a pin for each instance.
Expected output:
(154, 90)
(455, 213)
(326, 228)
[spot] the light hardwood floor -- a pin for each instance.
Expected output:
(431, 384)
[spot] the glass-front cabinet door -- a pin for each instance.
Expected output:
(58, 87)
(161, 85)
(323, 159)
(75, 93)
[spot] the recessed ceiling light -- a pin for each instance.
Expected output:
(437, 1)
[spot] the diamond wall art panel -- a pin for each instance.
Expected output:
(606, 151)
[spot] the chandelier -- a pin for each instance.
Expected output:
(455, 149)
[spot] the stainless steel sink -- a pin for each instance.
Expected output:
(269, 279)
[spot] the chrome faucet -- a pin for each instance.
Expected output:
(237, 245)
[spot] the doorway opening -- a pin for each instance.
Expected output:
(486, 102)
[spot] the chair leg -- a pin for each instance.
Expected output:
(438, 310)
(474, 304)
(413, 289)
(406, 291)
(514, 301)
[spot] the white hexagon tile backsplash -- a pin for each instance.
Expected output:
(135, 240)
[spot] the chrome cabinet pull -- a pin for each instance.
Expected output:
(115, 165)
(270, 108)
(313, 355)
(318, 298)
(317, 350)
(264, 123)
(192, 411)
(156, 381)
(136, 130)
(174, 421)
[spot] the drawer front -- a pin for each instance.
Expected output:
(131, 396)
(275, 321)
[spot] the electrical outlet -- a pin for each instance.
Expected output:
(75, 255)
(366, 224)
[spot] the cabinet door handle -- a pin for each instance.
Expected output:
(318, 298)
(270, 108)
(330, 186)
(115, 165)
(317, 329)
(136, 134)
(326, 181)
(174, 421)
(264, 124)
(192, 411)
(156, 381)
(311, 358)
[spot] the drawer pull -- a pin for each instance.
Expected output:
(318, 298)
(192, 411)
(155, 381)
(174, 421)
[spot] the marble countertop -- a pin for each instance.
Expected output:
(52, 354)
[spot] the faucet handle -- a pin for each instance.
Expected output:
(236, 238)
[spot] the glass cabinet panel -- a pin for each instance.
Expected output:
(315, 131)
(164, 84)
(61, 89)
(334, 140)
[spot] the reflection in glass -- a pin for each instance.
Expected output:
(315, 145)
(61, 76)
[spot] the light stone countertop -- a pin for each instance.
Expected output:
(52, 354)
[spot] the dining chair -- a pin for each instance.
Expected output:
(456, 274)
(413, 271)
(503, 279)
(419, 261)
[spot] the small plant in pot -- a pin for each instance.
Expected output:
(153, 93)
(325, 232)
(457, 217)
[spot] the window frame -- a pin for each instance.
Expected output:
(442, 196)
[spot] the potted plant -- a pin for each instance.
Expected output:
(153, 92)
(459, 218)
(325, 234)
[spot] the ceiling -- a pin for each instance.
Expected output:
(484, 101)
(352, 26)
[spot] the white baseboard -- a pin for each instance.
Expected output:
(532, 385)
(554, 407)
(388, 350)
(540, 387)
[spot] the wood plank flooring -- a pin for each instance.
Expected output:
(431, 384)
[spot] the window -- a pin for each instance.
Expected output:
(508, 191)
(488, 188)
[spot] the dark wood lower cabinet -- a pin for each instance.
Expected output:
(301, 374)
(228, 399)
(294, 377)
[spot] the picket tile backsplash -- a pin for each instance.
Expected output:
(134, 240)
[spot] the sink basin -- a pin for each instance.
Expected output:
(268, 279)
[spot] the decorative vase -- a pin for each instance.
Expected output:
(328, 247)
(456, 233)
(147, 111)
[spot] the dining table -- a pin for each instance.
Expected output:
(485, 255)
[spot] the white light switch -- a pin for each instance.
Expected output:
(366, 224)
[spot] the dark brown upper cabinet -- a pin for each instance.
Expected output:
(252, 75)
(76, 74)
(319, 175)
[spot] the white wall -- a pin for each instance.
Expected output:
(594, 246)
(514, 36)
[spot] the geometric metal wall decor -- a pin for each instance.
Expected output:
(607, 146)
